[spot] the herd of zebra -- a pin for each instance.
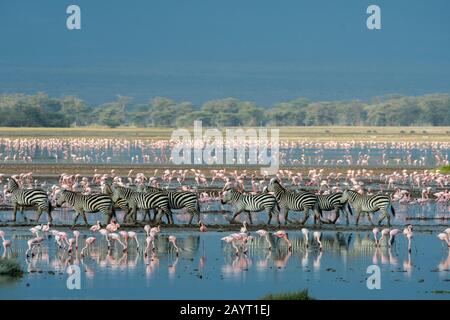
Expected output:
(272, 200)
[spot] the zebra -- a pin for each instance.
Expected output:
(143, 200)
(21, 198)
(250, 202)
(120, 203)
(369, 204)
(301, 201)
(83, 204)
(332, 201)
(179, 200)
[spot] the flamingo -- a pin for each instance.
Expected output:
(375, 232)
(392, 234)
(283, 235)
(173, 241)
(76, 234)
(104, 233)
(133, 235)
(409, 235)
(150, 240)
(202, 227)
(71, 243)
(305, 233)
(116, 237)
(230, 239)
(89, 242)
(265, 235)
(318, 237)
(147, 229)
(444, 236)
(96, 227)
(244, 227)
(32, 243)
(384, 233)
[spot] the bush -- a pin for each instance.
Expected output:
(445, 169)
(298, 295)
(10, 267)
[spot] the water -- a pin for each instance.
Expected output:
(208, 265)
(151, 151)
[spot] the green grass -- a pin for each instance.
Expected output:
(314, 133)
(298, 295)
(440, 292)
(10, 267)
(445, 169)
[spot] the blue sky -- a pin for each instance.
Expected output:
(260, 50)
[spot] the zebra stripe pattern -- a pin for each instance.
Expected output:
(369, 204)
(29, 198)
(330, 202)
(250, 202)
(143, 200)
(299, 201)
(181, 200)
(83, 204)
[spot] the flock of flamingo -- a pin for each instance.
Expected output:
(158, 151)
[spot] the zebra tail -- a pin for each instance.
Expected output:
(393, 210)
(349, 208)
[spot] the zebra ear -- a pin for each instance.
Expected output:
(273, 180)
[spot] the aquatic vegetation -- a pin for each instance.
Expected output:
(298, 295)
(10, 267)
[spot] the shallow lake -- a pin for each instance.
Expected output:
(207, 268)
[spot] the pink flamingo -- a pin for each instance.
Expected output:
(89, 242)
(133, 235)
(375, 232)
(283, 235)
(231, 240)
(76, 234)
(147, 229)
(6, 243)
(116, 237)
(305, 233)
(104, 233)
(202, 227)
(150, 240)
(95, 227)
(409, 235)
(71, 243)
(318, 237)
(444, 237)
(32, 243)
(392, 234)
(384, 234)
(265, 235)
(173, 241)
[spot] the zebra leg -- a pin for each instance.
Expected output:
(169, 215)
(235, 215)
(358, 214)
(286, 219)
(14, 212)
(369, 218)
(49, 212)
(75, 219)
(38, 214)
(85, 218)
(249, 214)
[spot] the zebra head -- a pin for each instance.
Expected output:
(118, 192)
(227, 195)
(61, 198)
(347, 196)
(12, 185)
(274, 185)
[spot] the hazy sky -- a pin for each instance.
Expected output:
(260, 50)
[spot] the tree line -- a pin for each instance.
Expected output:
(40, 110)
